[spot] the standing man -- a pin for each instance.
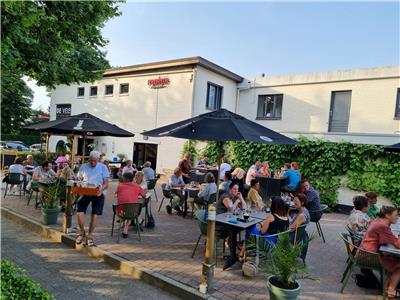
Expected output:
(95, 173)
(224, 167)
(185, 166)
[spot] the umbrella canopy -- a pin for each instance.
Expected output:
(84, 124)
(393, 148)
(220, 125)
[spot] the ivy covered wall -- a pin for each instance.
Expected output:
(364, 167)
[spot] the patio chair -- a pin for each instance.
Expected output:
(15, 179)
(315, 214)
(360, 258)
(166, 194)
(200, 215)
(34, 189)
(151, 186)
(355, 237)
(128, 211)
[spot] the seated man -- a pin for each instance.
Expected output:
(148, 171)
(253, 171)
(292, 177)
(128, 192)
(176, 182)
(313, 201)
(202, 163)
(44, 172)
(129, 168)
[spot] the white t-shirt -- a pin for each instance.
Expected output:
(17, 169)
(222, 169)
(127, 169)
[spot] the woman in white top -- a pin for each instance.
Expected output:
(18, 168)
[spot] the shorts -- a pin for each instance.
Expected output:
(97, 204)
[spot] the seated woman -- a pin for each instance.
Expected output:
(206, 191)
(379, 233)
(224, 186)
(265, 169)
(140, 180)
(359, 219)
(277, 221)
(254, 195)
(17, 168)
(300, 217)
(128, 192)
(228, 203)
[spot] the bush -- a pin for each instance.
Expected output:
(26, 139)
(16, 285)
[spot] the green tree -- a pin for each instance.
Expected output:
(53, 42)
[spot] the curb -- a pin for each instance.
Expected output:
(125, 266)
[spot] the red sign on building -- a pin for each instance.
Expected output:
(158, 83)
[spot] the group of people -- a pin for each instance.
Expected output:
(371, 227)
(281, 218)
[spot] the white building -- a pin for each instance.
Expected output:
(360, 105)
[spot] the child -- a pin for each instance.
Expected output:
(373, 208)
(128, 192)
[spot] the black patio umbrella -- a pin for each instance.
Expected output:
(221, 125)
(393, 148)
(83, 124)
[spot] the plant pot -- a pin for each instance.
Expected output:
(50, 215)
(277, 293)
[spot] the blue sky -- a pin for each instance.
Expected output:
(253, 38)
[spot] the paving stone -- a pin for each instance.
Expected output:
(168, 247)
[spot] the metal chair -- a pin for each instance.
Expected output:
(200, 215)
(360, 258)
(151, 186)
(34, 188)
(127, 211)
(315, 216)
(166, 194)
(15, 179)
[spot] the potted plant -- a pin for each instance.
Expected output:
(284, 267)
(51, 203)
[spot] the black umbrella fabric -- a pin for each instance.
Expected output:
(393, 148)
(85, 124)
(220, 125)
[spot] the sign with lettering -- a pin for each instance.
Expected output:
(158, 83)
(63, 111)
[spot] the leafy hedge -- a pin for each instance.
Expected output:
(16, 285)
(366, 167)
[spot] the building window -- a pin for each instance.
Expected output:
(109, 90)
(214, 96)
(124, 88)
(397, 108)
(270, 107)
(81, 91)
(93, 91)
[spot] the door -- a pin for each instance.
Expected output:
(340, 111)
(143, 152)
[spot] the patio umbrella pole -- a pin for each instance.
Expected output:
(209, 260)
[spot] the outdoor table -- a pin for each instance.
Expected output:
(212, 170)
(186, 190)
(231, 220)
(259, 215)
(270, 187)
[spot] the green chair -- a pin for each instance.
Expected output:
(166, 195)
(151, 186)
(15, 179)
(360, 258)
(128, 211)
(200, 215)
(314, 214)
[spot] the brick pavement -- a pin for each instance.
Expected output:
(67, 274)
(167, 250)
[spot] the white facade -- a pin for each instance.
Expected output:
(306, 103)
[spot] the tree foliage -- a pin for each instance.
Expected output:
(53, 42)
